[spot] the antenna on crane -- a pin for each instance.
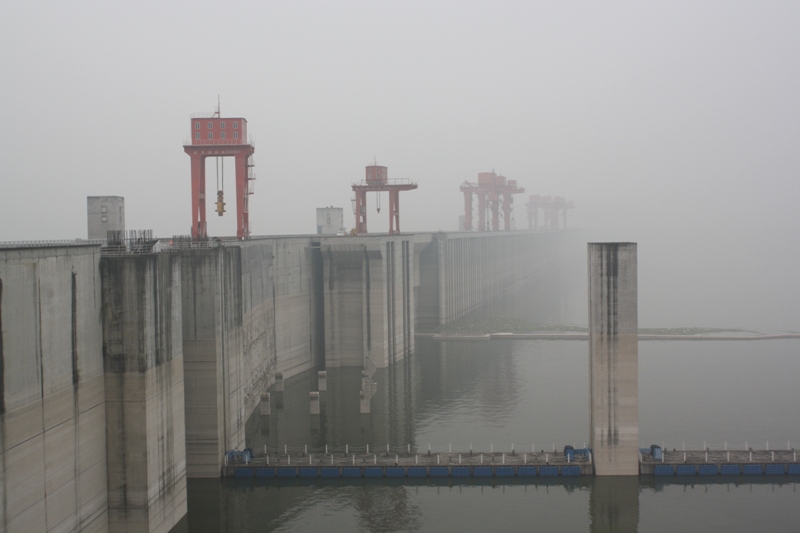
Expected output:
(220, 175)
(377, 193)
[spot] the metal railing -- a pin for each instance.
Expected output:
(490, 450)
(397, 181)
(410, 454)
(50, 243)
(185, 242)
(724, 446)
(190, 141)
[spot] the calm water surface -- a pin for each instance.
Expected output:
(526, 393)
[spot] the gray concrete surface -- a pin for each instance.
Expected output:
(521, 273)
(52, 405)
(369, 298)
(613, 358)
(144, 387)
(330, 220)
(103, 214)
(123, 377)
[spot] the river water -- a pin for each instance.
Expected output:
(499, 394)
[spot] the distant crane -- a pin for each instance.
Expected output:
(553, 209)
(378, 181)
(493, 192)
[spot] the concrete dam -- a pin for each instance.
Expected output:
(122, 375)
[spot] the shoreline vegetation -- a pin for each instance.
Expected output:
(497, 327)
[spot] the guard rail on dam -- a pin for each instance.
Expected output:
(146, 367)
(402, 463)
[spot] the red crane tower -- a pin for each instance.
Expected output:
(552, 209)
(378, 181)
(216, 136)
(493, 191)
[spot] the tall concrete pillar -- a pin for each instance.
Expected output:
(613, 359)
(144, 384)
(216, 410)
(52, 395)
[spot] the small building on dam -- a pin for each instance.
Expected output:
(123, 374)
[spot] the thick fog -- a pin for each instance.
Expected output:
(672, 124)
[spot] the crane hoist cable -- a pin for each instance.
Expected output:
(220, 176)
(220, 186)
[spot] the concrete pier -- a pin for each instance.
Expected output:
(529, 274)
(102, 367)
(213, 358)
(613, 358)
(369, 300)
(252, 313)
(52, 402)
(143, 356)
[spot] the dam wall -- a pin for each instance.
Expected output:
(52, 399)
(144, 392)
(251, 311)
(125, 375)
(514, 274)
(369, 299)
(212, 351)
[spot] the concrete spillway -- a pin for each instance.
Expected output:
(122, 376)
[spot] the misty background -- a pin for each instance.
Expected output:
(672, 124)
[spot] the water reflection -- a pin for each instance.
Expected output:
(525, 392)
(441, 382)
(521, 392)
(587, 504)
(387, 508)
(340, 422)
(614, 504)
(474, 375)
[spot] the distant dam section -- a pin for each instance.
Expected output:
(585, 336)
(124, 374)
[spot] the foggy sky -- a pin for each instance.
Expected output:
(672, 124)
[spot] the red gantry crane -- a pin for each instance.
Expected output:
(215, 136)
(552, 209)
(493, 192)
(378, 181)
